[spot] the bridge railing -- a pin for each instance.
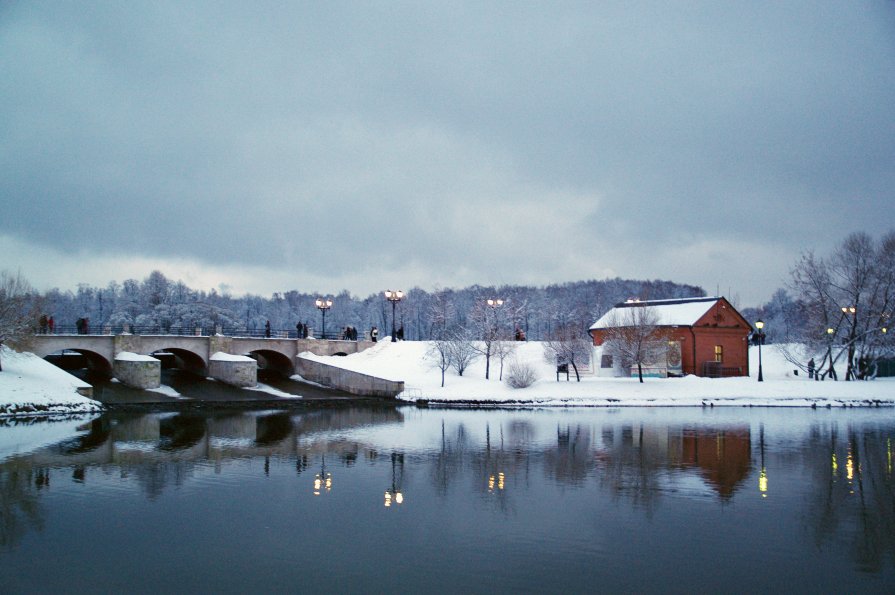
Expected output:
(184, 331)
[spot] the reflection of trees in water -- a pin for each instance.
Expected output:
(448, 462)
(628, 467)
(573, 458)
(854, 498)
(19, 504)
(155, 477)
(502, 459)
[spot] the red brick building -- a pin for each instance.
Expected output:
(705, 336)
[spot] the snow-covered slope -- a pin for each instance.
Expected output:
(30, 385)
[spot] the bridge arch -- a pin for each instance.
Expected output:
(93, 362)
(182, 359)
(273, 361)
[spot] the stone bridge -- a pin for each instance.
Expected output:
(233, 360)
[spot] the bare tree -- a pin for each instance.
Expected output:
(568, 345)
(16, 308)
(441, 313)
(441, 355)
(488, 326)
(634, 337)
(847, 301)
(462, 350)
(502, 350)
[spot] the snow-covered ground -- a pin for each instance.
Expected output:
(407, 361)
(30, 385)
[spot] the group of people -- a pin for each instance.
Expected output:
(83, 326)
(301, 330)
(349, 333)
(46, 324)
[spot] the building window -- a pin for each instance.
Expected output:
(606, 361)
(719, 353)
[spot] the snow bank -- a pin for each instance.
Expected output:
(127, 356)
(220, 356)
(781, 387)
(30, 385)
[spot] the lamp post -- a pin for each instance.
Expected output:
(759, 324)
(852, 330)
(494, 305)
(832, 372)
(323, 305)
(394, 297)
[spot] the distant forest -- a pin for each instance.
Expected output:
(158, 304)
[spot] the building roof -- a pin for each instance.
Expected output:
(677, 312)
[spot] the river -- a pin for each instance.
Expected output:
(334, 497)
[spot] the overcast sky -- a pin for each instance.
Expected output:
(322, 146)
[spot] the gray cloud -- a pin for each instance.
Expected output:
(408, 143)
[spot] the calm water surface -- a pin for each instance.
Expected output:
(376, 499)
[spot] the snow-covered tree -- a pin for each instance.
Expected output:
(462, 350)
(847, 300)
(17, 315)
(441, 356)
(634, 338)
(569, 345)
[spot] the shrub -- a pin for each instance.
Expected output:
(521, 375)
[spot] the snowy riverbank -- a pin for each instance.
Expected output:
(406, 361)
(31, 386)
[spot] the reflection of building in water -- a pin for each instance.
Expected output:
(723, 456)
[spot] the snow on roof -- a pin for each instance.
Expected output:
(679, 312)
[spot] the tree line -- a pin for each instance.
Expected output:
(163, 304)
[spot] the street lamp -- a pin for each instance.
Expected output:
(832, 372)
(323, 305)
(394, 297)
(759, 324)
(494, 305)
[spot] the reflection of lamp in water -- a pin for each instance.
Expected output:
(323, 481)
(498, 481)
(763, 475)
(394, 494)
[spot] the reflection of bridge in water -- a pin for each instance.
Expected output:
(626, 459)
(158, 437)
